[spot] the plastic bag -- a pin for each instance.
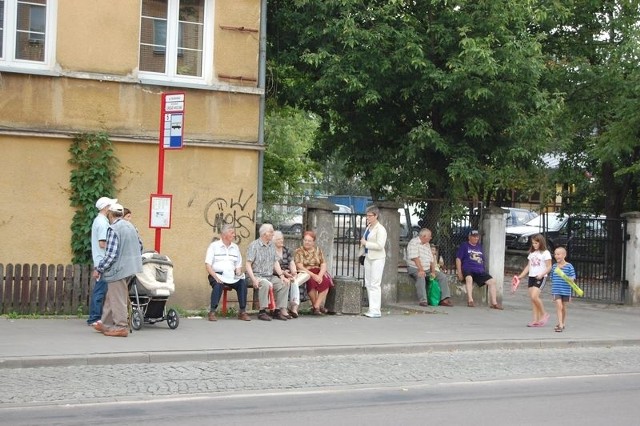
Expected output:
(433, 292)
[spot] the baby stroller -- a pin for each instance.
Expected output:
(149, 291)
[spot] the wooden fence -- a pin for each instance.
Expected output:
(45, 289)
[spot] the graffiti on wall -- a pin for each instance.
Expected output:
(220, 211)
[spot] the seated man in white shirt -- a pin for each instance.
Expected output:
(224, 266)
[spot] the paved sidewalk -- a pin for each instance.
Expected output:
(403, 328)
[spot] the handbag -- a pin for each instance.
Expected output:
(433, 293)
(361, 260)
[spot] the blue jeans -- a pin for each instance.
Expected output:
(97, 300)
(239, 286)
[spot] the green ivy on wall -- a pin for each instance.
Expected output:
(93, 175)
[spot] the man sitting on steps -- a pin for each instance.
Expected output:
(470, 269)
(419, 261)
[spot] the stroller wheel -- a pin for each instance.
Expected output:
(136, 319)
(173, 319)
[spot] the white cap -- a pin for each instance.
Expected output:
(105, 202)
(117, 208)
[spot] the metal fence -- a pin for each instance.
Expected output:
(349, 228)
(596, 247)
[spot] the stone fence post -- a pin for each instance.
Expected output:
(632, 259)
(493, 241)
(390, 219)
(320, 220)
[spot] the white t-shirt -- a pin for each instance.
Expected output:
(538, 262)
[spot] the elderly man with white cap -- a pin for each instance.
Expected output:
(98, 246)
(123, 259)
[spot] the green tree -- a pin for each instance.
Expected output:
(434, 98)
(289, 135)
(594, 50)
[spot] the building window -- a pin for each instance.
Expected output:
(26, 33)
(174, 39)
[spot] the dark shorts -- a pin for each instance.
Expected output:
(479, 278)
(535, 282)
(561, 297)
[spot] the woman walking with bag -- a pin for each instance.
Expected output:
(372, 246)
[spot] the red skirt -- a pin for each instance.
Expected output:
(321, 286)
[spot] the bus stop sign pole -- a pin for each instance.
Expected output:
(171, 136)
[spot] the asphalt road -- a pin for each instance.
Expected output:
(564, 400)
(146, 393)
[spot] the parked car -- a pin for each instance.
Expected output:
(342, 220)
(292, 222)
(552, 225)
(514, 217)
(517, 216)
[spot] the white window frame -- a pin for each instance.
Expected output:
(8, 61)
(170, 75)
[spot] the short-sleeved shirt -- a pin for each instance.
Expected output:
(471, 257)
(262, 257)
(415, 248)
(223, 258)
(98, 233)
(558, 285)
(538, 262)
(309, 258)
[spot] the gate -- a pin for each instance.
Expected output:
(597, 249)
(348, 229)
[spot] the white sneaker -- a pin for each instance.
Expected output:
(372, 315)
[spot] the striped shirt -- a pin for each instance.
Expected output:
(559, 287)
(415, 249)
(223, 258)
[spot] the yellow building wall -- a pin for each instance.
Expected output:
(207, 185)
(213, 179)
(237, 40)
(95, 36)
(122, 109)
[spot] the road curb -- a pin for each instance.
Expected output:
(293, 352)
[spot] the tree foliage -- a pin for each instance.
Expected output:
(432, 98)
(289, 135)
(594, 51)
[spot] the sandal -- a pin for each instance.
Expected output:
(470, 304)
(496, 306)
(558, 329)
(293, 314)
(316, 311)
(544, 320)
